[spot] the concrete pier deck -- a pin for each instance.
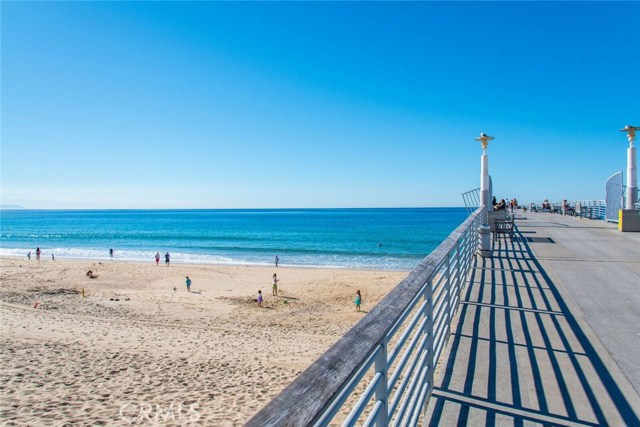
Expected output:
(548, 331)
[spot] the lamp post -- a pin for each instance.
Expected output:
(485, 237)
(632, 175)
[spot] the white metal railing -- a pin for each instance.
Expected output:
(593, 209)
(383, 367)
(471, 199)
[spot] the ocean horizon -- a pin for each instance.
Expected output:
(367, 238)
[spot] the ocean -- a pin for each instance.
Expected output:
(388, 239)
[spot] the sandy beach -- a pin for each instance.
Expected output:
(134, 351)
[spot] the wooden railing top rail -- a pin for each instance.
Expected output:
(305, 399)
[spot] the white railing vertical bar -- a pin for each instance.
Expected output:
(382, 392)
(454, 257)
(431, 361)
(447, 289)
(455, 281)
(467, 259)
(464, 268)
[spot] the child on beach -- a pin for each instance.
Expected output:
(188, 282)
(275, 285)
(358, 300)
(260, 298)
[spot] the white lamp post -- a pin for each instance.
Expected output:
(632, 174)
(485, 237)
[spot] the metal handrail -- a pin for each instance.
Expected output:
(593, 209)
(471, 199)
(390, 355)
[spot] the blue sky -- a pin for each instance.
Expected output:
(312, 104)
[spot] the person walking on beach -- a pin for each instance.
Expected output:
(188, 282)
(111, 253)
(358, 300)
(53, 258)
(157, 258)
(274, 288)
(38, 253)
(29, 256)
(260, 298)
(166, 259)
(277, 261)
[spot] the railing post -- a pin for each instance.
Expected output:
(476, 226)
(382, 394)
(461, 268)
(447, 290)
(429, 325)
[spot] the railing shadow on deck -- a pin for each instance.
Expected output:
(571, 384)
(383, 367)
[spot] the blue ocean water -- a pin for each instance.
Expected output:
(393, 239)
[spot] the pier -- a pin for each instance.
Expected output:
(543, 332)
(548, 331)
